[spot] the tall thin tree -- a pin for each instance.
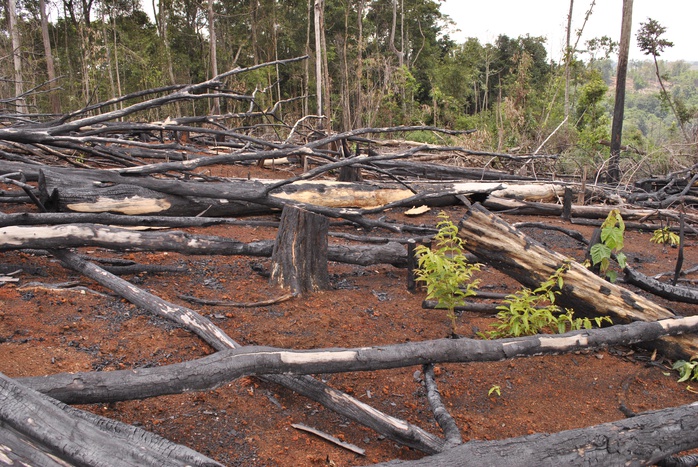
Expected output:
(16, 57)
(319, 5)
(215, 104)
(619, 106)
(54, 98)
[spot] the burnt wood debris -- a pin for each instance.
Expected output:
(86, 178)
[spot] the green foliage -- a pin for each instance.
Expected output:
(495, 389)
(664, 236)
(528, 312)
(687, 370)
(612, 238)
(649, 38)
(445, 270)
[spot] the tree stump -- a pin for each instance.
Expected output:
(299, 258)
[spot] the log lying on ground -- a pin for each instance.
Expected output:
(398, 430)
(445, 172)
(92, 235)
(650, 284)
(33, 425)
(641, 440)
(81, 190)
(519, 256)
(593, 212)
(215, 370)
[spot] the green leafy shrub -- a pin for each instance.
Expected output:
(445, 270)
(664, 236)
(687, 370)
(528, 312)
(612, 239)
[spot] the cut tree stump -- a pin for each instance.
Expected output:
(512, 252)
(299, 258)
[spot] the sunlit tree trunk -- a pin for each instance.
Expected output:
(568, 57)
(358, 111)
(619, 106)
(110, 68)
(306, 64)
(253, 30)
(16, 58)
(116, 61)
(318, 57)
(325, 69)
(54, 98)
(161, 22)
(346, 80)
(399, 53)
(215, 104)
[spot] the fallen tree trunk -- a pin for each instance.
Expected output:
(32, 425)
(222, 367)
(592, 212)
(672, 292)
(519, 256)
(92, 235)
(641, 440)
(398, 430)
(81, 190)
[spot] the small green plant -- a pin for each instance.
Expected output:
(445, 270)
(495, 389)
(664, 236)
(687, 370)
(528, 312)
(612, 233)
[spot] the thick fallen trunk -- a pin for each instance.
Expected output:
(80, 190)
(32, 425)
(641, 440)
(92, 235)
(215, 370)
(519, 256)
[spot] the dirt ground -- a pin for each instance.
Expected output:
(45, 330)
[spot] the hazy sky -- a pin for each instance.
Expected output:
(487, 19)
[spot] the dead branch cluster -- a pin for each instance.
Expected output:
(91, 175)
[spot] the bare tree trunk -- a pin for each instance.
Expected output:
(54, 98)
(161, 21)
(399, 53)
(306, 65)
(358, 111)
(327, 109)
(619, 107)
(254, 4)
(346, 87)
(116, 61)
(568, 57)
(16, 58)
(215, 104)
(318, 59)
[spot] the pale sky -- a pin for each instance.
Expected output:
(487, 19)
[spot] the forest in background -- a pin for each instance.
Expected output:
(371, 63)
